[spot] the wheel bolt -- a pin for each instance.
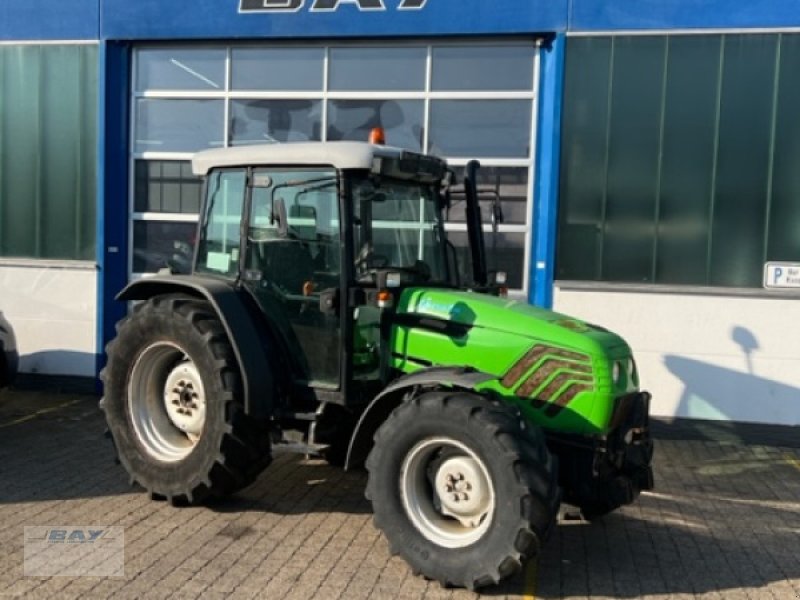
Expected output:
(456, 498)
(464, 496)
(180, 411)
(193, 405)
(176, 402)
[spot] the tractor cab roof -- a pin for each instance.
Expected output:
(341, 155)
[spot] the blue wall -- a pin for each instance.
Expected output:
(598, 15)
(197, 19)
(49, 20)
(159, 19)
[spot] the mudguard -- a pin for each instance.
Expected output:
(396, 392)
(247, 342)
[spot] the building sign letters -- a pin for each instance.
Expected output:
(283, 6)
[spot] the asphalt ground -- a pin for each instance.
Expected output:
(723, 522)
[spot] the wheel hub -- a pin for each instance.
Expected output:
(184, 399)
(166, 401)
(463, 490)
(446, 492)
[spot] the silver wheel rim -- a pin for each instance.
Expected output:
(166, 402)
(447, 492)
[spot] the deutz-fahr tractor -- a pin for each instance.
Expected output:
(327, 313)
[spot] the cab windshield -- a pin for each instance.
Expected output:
(398, 227)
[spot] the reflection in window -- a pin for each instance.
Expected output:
(485, 128)
(483, 68)
(504, 252)
(180, 69)
(167, 125)
(508, 185)
(402, 120)
(277, 69)
(157, 245)
(684, 178)
(264, 121)
(377, 68)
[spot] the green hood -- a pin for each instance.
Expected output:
(513, 317)
(557, 369)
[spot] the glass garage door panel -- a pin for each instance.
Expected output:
(266, 121)
(277, 69)
(402, 120)
(485, 68)
(171, 125)
(180, 69)
(377, 69)
(487, 128)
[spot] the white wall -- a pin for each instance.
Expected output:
(52, 307)
(705, 356)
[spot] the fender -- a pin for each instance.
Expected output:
(248, 344)
(399, 391)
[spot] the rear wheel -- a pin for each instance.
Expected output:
(461, 488)
(173, 403)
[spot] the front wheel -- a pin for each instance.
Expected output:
(461, 488)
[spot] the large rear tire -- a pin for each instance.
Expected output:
(462, 488)
(173, 403)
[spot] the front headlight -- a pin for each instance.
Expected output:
(616, 372)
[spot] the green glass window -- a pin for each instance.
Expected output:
(48, 112)
(679, 158)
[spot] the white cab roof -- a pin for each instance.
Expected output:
(341, 155)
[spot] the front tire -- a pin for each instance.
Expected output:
(461, 488)
(173, 403)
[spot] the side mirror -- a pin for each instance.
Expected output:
(279, 207)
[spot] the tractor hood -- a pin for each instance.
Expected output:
(563, 373)
(473, 310)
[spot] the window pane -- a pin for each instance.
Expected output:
(688, 159)
(157, 244)
(583, 157)
(277, 68)
(377, 69)
(483, 68)
(633, 158)
(166, 186)
(480, 128)
(263, 121)
(504, 252)
(178, 125)
(48, 147)
(220, 235)
(508, 184)
(784, 225)
(402, 120)
(744, 137)
(180, 69)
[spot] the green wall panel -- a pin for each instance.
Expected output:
(48, 139)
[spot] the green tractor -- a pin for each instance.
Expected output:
(326, 313)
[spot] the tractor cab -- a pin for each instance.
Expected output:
(323, 237)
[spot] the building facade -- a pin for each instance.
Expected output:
(644, 156)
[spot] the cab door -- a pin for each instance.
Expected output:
(292, 262)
